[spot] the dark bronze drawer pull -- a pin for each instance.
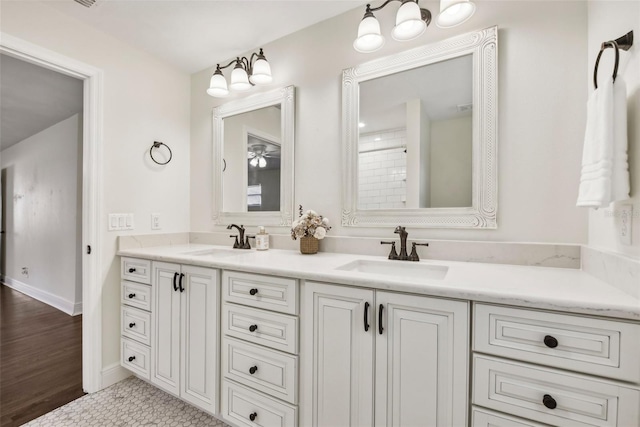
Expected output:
(132, 324)
(132, 358)
(549, 402)
(253, 416)
(253, 328)
(253, 370)
(253, 291)
(550, 341)
(131, 270)
(131, 296)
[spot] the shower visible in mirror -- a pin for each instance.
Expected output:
(415, 137)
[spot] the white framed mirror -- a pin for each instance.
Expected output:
(253, 148)
(420, 136)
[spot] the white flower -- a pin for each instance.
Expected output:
(320, 233)
(311, 213)
(325, 221)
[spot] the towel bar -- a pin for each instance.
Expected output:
(624, 43)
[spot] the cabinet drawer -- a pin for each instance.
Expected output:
(584, 344)
(256, 290)
(274, 373)
(531, 392)
(136, 324)
(136, 295)
(279, 331)
(135, 357)
(239, 403)
(136, 270)
(485, 418)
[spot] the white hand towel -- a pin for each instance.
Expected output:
(605, 171)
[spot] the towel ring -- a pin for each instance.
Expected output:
(624, 43)
(157, 144)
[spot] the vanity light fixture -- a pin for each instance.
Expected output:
(411, 22)
(246, 73)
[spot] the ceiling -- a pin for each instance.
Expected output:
(442, 87)
(33, 98)
(196, 34)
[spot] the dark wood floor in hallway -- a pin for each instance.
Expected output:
(40, 358)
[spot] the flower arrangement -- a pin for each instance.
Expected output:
(310, 224)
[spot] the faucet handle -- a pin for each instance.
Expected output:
(414, 254)
(246, 244)
(236, 245)
(393, 254)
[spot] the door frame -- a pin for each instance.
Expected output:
(92, 78)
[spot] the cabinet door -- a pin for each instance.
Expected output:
(165, 342)
(199, 352)
(338, 372)
(421, 361)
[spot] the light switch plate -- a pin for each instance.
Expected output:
(626, 219)
(155, 221)
(118, 221)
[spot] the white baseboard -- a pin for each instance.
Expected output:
(48, 298)
(77, 308)
(113, 374)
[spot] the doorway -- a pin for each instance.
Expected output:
(92, 79)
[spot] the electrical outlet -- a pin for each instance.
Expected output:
(25, 271)
(155, 221)
(626, 219)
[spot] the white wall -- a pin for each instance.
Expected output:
(451, 162)
(541, 56)
(43, 213)
(609, 20)
(144, 100)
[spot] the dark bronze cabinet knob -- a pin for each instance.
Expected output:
(253, 291)
(549, 402)
(132, 296)
(131, 270)
(550, 341)
(132, 324)
(253, 416)
(253, 328)
(253, 370)
(132, 358)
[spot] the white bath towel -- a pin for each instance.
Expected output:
(605, 170)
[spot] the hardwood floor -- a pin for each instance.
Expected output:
(40, 358)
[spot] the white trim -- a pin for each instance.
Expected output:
(43, 296)
(91, 194)
(483, 45)
(113, 374)
(77, 308)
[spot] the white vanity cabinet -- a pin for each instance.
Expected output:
(554, 368)
(259, 355)
(135, 315)
(389, 359)
(184, 341)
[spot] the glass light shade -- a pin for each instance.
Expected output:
(369, 37)
(218, 86)
(254, 162)
(409, 23)
(261, 74)
(454, 12)
(239, 80)
(262, 162)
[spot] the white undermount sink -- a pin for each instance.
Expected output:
(414, 270)
(212, 252)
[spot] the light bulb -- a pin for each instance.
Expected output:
(409, 23)
(369, 37)
(454, 12)
(254, 162)
(262, 162)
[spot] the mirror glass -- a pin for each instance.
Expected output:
(253, 140)
(420, 135)
(252, 154)
(415, 137)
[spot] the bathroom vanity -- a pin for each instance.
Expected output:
(280, 339)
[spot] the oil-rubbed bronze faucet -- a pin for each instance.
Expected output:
(240, 242)
(402, 231)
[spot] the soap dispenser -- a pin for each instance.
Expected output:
(262, 239)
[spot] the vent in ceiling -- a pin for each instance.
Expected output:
(86, 3)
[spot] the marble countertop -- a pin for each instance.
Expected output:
(567, 290)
